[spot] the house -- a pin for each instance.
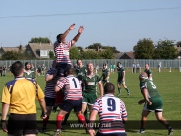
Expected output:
(16, 49)
(118, 55)
(125, 55)
(39, 50)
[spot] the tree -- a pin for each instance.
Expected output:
(11, 55)
(165, 50)
(39, 40)
(107, 54)
(74, 53)
(51, 55)
(144, 49)
(95, 46)
(90, 55)
(112, 48)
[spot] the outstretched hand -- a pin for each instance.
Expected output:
(81, 28)
(72, 27)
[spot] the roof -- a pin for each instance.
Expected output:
(127, 55)
(12, 49)
(40, 46)
(118, 55)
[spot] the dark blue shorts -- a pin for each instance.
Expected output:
(62, 68)
(50, 101)
(111, 134)
(68, 105)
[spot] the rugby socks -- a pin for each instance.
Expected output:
(45, 121)
(127, 90)
(168, 126)
(82, 119)
(119, 90)
(59, 121)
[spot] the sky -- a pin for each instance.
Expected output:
(118, 23)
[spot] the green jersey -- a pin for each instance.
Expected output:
(29, 74)
(120, 72)
(90, 84)
(105, 73)
(151, 87)
(80, 72)
(148, 71)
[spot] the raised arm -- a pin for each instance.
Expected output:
(72, 27)
(75, 39)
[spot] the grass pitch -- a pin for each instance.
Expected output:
(168, 84)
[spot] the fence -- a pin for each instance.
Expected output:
(127, 63)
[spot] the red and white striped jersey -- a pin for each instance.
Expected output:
(111, 111)
(62, 52)
(73, 89)
(50, 85)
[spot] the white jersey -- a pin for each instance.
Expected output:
(73, 89)
(111, 111)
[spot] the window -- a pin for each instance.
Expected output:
(43, 53)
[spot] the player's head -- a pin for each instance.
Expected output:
(109, 88)
(119, 64)
(90, 67)
(104, 65)
(27, 65)
(79, 62)
(146, 66)
(69, 71)
(17, 68)
(59, 38)
(143, 76)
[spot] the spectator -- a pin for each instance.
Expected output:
(43, 68)
(4, 70)
(159, 67)
(133, 67)
(137, 67)
(39, 69)
(97, 68)
(18, 97)
(1, 71)
(9, 68)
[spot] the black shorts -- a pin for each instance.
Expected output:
(68, 105)
(50, 101)
(62, 68)
(19, 124)
(111, 134)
